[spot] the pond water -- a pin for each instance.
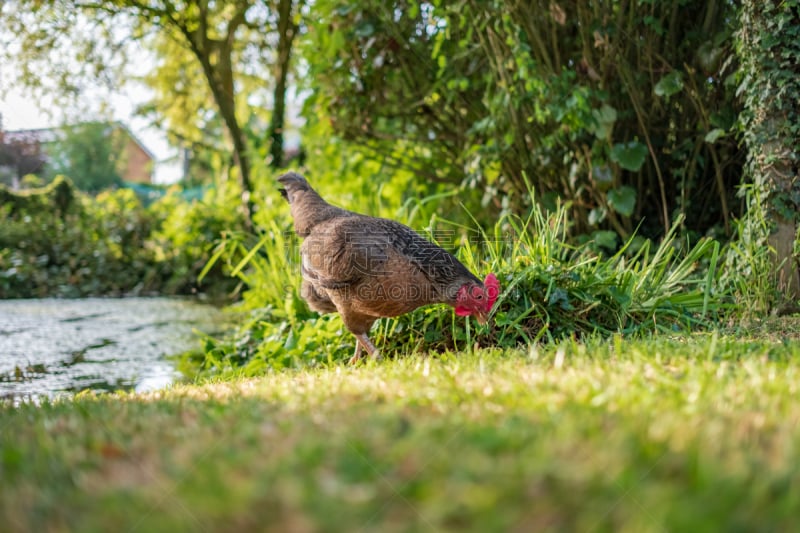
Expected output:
(52, 347)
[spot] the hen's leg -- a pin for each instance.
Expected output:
(367, 344)
(356, 356)
(363, 341)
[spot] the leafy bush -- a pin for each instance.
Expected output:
(185, 237)
(56, 241)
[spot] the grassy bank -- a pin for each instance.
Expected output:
(685, 434)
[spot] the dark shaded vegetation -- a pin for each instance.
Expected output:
(627, 110)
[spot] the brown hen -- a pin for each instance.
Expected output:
(367, 268)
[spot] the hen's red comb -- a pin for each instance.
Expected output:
(492, 290)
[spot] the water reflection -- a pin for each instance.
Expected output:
(52, 347)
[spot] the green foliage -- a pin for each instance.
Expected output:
(749, 274)
(572, 99)
(185, 237)
(183, 102)
(92, 154)
(669, 85)
(622, 200)
(58, 242)
(55, 199)
(552, 290)
(630, 156)
(95, 248)
(57, 53)
(768, 43)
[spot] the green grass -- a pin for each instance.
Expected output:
(681, 433)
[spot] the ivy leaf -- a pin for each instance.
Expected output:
(604, 119)
(629, 156)
(713, 135)
(622, 200)
(670, 84)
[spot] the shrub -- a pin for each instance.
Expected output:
(56, 241)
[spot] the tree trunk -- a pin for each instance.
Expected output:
(219, 75)
(771, 90)
(287, 30)
(227, 109)
(773, 166)
(782, 241)
(242, 160)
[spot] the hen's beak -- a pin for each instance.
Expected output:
(481, 317)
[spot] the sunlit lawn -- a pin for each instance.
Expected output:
(696, 433)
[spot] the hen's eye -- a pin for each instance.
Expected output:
(479, 297)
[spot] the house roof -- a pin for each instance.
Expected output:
(49, 135)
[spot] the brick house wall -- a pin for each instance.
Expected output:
(138, 164)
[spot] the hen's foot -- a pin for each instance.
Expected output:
(363, 341)
(356, 356)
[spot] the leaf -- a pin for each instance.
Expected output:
(291, 341)
(670, 84)
(561, 297)
(602, 176)
(724, 118)
(622, 200)
(246, 259)
(629, 156)
(619, 296)
(364, 29)
(413, 10)
(597, 215)
(605, 239)
(604, 119)
(709, 55)
(713, 135)
(209, 265)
